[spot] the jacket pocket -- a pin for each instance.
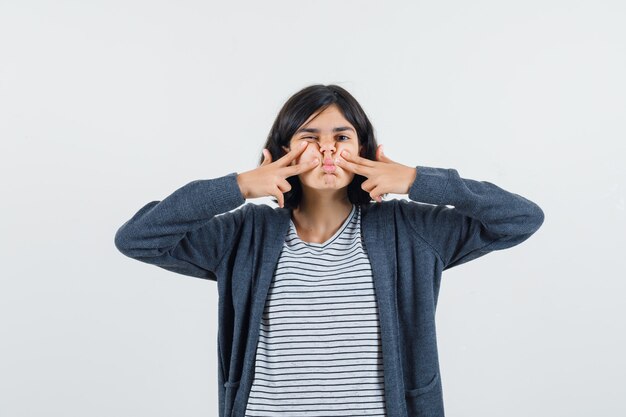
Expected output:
(425, 401)
(230, 391)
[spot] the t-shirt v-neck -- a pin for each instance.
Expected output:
(341, 228)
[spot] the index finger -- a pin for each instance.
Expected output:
(358, 160)
(286, 159)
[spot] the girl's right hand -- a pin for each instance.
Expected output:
(269, 179)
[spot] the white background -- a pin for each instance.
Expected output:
(107, 105)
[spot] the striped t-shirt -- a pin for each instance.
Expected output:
(319, 351)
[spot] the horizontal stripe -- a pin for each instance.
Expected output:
(319, 351)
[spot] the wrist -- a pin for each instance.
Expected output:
(412, 175)
(242, 187)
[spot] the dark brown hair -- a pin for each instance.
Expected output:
(297, 109)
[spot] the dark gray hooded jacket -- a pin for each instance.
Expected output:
(200, 231)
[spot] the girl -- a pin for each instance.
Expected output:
(327, 302)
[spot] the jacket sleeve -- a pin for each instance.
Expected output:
(484, 218)
(189, 231)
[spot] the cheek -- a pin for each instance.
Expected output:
(308, 155)
(311, 153)
(352, 147)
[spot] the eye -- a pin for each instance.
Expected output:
(313, 137)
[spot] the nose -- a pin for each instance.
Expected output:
(327, 147)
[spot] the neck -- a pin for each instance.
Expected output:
(322, 212)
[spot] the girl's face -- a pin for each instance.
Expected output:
(328, 134)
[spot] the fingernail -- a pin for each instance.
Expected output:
(303, 144)
(381, 149)
(345, 153)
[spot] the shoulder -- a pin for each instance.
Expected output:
(396, 206)
(264, 212)
(412, 216)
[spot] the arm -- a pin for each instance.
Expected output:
(484, 218)
(189, 231)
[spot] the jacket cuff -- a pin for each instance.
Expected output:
(430, 185)
(218, 195)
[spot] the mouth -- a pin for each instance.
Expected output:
(329, 168)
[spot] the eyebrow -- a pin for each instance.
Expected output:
(337, 129)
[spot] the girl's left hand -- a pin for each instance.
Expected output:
(383, 175)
